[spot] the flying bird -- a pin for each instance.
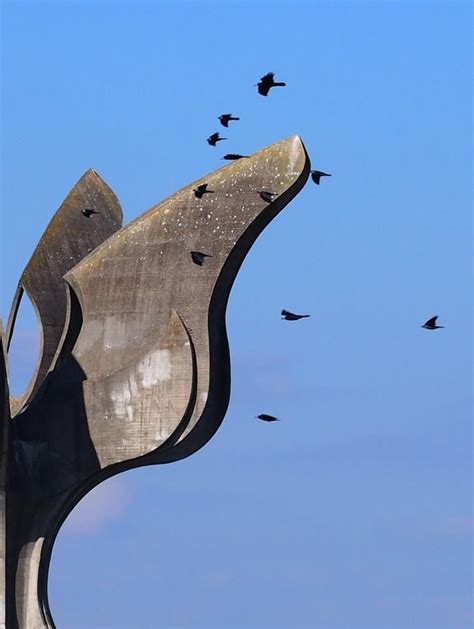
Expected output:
(201, 190)
(198, 257)
(431, 324)
(267, 418)
(87, 212)
(232, 156)
(214, 138)
(317, 174)
(267, 196)
(226, 118)
(266, 83)
(291, 316)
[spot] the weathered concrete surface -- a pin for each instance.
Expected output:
(68, 238)
(141, 370)
(146, 278)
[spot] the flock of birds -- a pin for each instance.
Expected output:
(266, 83)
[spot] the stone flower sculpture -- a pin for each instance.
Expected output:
(134, 367)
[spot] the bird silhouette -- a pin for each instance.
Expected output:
(267, 418)
(225, 118)
(266, 83)
(317, 174)
(214, 138)
(267, 196)
(201, 190)
(431, 324)
(233, 156)
(291, 316)
(198, 257)
(87, 212)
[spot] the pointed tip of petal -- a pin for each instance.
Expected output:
(91, 173)
(297, 140)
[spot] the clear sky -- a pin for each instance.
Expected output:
(356, 509)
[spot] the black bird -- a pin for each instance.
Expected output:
(198, 257)
(291, 316)
(87, 212)
(317, 174)
(214, 138)
(232, 156)
(266, 83)
(267, 196)
(202, 189)
(267, 418)
(431, 324)
(225, 118)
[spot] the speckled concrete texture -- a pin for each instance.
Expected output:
(135, 366)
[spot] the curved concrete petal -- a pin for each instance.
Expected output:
(130, 284)
(68, 238)
(136, 409)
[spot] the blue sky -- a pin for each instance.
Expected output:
(356, 509)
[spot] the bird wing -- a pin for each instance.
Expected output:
(263, 89)
(202, 187)
(431, 321)
(266, 417)
(268, 77)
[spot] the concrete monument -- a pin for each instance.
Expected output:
(134, 366)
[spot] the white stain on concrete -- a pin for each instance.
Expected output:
(154, 368)
(122, 396)
(293, 157)
(161, 435)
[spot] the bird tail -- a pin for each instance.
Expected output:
(234, 118)
(281, 84)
